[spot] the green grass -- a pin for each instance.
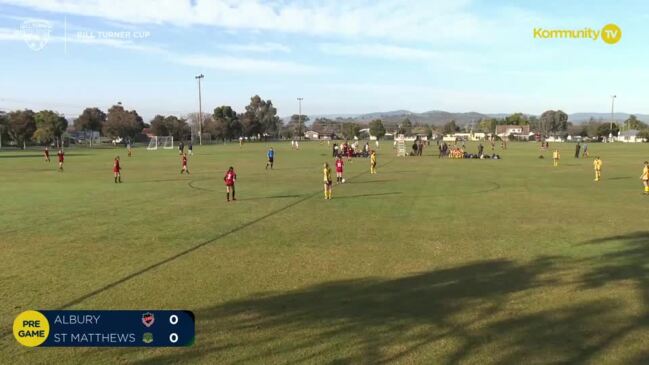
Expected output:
(430, 261)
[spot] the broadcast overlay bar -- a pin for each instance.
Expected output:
(105, 328)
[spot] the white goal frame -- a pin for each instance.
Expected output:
(166, 142)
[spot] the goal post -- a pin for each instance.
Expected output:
(166, 142)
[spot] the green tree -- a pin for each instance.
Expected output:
(4, 120)
(178, 127)
(122, 123)
(405, 127)
(326, 126)
(422, 129)
(50, 126)
(296, 124)
(260, 117)
(91, 119)
(577, 130)
(632, 122)
(644, 134)
(170, 126)
(21, 126)
(377, 129)
(553, 122)
(487, 125)
(450, 127)
(226, 123)
(517, 119)
(350, 130)
(158, 126)
(604, 130)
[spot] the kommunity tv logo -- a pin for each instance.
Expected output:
(610, 33)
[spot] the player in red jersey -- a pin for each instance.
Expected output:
(350, 153)
(46, 153)
(230, 178)
(184, 168)
(339, 169)
(61, 158)
(117, 170)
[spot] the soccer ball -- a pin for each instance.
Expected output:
(343, 180)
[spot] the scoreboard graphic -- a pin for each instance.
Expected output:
(105, 328)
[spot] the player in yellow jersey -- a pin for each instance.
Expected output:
(645, 177)
(373, 162)
(597, 165)
(327, 180)
(556, 156)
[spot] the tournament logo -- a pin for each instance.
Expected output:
(148, 318)
(36, 33)
(147, 337)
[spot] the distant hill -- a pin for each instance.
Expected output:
(440, 117)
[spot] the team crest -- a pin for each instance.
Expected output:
(148, 318)
(147, 337)
(36, 33)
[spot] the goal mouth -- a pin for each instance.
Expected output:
(165, 142)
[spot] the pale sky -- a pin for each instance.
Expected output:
(340, 56)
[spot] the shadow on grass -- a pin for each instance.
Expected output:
(462, 314)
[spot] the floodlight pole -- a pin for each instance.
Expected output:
(299, 116)
(612, 116)
(200, 110)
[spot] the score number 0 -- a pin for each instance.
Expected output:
(173, 337)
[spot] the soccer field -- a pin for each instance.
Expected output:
(430, 261)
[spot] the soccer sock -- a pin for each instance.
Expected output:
(119, 179)
(227, 196)
(233, 198)
(115, 179)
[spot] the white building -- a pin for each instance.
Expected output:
(630, 136)
(478, 136)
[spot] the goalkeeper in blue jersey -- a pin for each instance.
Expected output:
(271, 158)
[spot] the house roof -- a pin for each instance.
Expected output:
(500, 129)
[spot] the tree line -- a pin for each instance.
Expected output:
(260, 119)
(47, 126)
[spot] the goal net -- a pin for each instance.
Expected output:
(166, 142)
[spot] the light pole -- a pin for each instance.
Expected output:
(299, 116)
(200, 110)
(610, 135)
